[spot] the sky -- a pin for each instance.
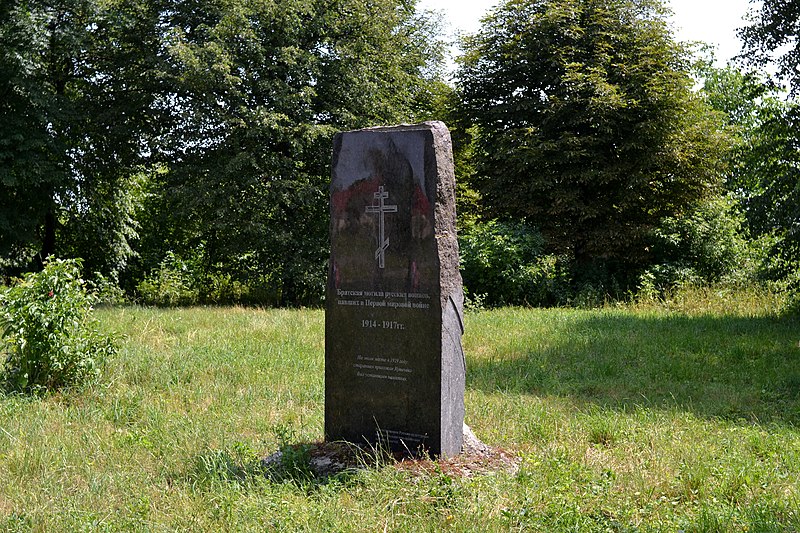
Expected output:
(711, 21)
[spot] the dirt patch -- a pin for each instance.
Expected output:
(327, 459)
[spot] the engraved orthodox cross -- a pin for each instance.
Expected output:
(380, 209)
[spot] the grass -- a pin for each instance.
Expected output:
(656, 416)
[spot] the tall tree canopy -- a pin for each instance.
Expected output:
(586, 123)
(764, 176)
(772, 37)
(75, 102)
(772, 159)
(257, 90)
(134, 128)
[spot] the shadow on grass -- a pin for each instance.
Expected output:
(728, 367)
(307, 465)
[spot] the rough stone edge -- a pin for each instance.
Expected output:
(472, 445)
(439, 163)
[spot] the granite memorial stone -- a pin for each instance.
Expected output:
(394, 365)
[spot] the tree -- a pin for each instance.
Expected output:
(772, 37)
(33, 167)
(764, 176)
(256, 91)
(587, 127)
(76, 115)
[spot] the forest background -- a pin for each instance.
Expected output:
(181, 149)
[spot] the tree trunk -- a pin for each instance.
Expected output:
(49, 240)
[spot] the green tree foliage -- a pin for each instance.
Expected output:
(74, 108)
(772, 160)
(135, 128)
(706, 245)
(764, 176)
(772, 38)
(769, 171)
(586, 123)
(257, 90)
(33, 169)
(117, 96)
(503, 264)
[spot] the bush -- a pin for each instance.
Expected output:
(183, 281)
(51, 338)
(502, 264)
(172, 283)
(792, 305)
(106, 291)
(709, 245)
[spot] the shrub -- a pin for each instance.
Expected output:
(502, 263)
(783, 276)
(706, 246)
(186, 280)
(792, 305)
(106, 290)
(51, 337)
(172, 283)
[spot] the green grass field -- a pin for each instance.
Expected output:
(650, 416)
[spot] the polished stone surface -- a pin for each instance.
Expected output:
(394, 365)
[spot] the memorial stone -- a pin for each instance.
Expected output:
(394, 365)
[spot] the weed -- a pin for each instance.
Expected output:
(443, 490)
(52, 338)
(171, 284)
(602, 434)
(295, 458)
(239, 466)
